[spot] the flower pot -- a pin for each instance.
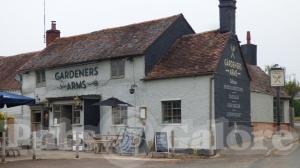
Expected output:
(2, 124)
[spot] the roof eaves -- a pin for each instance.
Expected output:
(178, 76)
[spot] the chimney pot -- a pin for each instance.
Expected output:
(53, 25)
(248, 37)
(249, 51)
(52, 34)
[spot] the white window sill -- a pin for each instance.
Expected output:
(77, 125)
(117, 77)
(119, 125)
(171, 124)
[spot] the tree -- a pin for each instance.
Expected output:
(269, 67)
(292, 87)
(297, 107)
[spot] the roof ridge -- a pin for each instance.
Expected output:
(203, 33)
(120, 27)
(26, 53)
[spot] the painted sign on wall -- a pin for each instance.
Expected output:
(232, 91)
(72, 79)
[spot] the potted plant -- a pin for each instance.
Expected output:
(2, 121)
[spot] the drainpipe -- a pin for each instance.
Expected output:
(19, 78)
(211, 136)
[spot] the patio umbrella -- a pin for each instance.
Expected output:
(113, 102)
(12, 100)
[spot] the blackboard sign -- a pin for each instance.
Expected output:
(127, 144)
(161, 142)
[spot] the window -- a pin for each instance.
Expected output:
(40, 78)
(119, 115)
(117, 68)
(36, 116)
(76, 116)
(171, 111)
(56, 114)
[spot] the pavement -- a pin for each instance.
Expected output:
(289, 160)
(254, 157)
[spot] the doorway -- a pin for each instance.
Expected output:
(65, 137)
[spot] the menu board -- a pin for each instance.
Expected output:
(161, 142)
(127, 144)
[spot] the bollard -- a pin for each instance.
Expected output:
(34, 145)
(3, 147)
(173, 143)
(77, 145)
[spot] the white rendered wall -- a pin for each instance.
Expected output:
(192, 91)
(262, 107)
(286, 107)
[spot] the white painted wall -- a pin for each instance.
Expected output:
(261, 107)
(286, 107)
(193, 93)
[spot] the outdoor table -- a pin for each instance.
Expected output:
(99, 144)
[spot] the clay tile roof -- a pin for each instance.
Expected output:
(191, 55)
(8, 70)
(123, 41)
(283, 93)
(260, 80)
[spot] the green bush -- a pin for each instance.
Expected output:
(297, 108)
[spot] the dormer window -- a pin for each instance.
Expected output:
(117, 68)
(40, 78)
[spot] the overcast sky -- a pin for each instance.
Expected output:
(274, 24)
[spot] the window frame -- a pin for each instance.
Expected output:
(40, 78)
(58, 111)
(34, 118)
(165, 110)
(76, 118)
(122, 114)
(117, 68)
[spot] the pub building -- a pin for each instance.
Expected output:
(170, 79)
(263, 97)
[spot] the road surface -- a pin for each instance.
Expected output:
(289, 159)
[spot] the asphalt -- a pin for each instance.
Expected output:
(276, 159)
(281, 159)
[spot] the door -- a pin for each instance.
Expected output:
(66, 127)
(92, 115)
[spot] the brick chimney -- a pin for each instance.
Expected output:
(52, 34)
(250, 51)
(227, 10)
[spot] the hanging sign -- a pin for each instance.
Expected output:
(277, 77)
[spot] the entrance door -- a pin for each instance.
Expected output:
(91, 115)
(66, 116)
(66, 127)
